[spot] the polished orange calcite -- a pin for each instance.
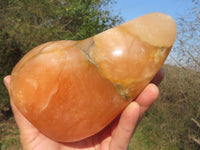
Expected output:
(71, 90)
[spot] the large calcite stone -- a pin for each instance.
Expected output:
(71, 90)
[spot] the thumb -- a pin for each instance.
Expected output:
(29, 135)
(23, 124)
(6, 81)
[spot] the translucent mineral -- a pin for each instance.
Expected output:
(71, 90)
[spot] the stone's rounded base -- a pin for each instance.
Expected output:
(71, 90)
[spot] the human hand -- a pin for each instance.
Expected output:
(116, 136)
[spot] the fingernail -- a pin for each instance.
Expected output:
(132, 106)
(5, 80)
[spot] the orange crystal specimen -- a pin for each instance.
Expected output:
(71, 90)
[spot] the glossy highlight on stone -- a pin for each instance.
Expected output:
(71, 90)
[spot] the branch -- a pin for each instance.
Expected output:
(192, 137)
(63, 27)
(177, 62)
(190, 54)
(195, 140)
(196, 122)
(195, 9)
(193, 58)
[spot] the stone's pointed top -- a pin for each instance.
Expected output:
(157, 29)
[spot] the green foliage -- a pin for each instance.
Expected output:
(27, 23)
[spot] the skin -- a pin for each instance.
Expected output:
(116, 136)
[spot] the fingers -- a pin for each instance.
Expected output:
(147, 97)
(158, 77)
(126, 126)
(150, 93)
(130, 117)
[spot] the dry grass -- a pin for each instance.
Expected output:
(168, 124)
(9, 135)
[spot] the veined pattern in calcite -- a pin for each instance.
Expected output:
(71, 90)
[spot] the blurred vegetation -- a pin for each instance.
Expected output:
(9, 135)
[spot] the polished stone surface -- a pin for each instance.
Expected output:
(71, 90)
